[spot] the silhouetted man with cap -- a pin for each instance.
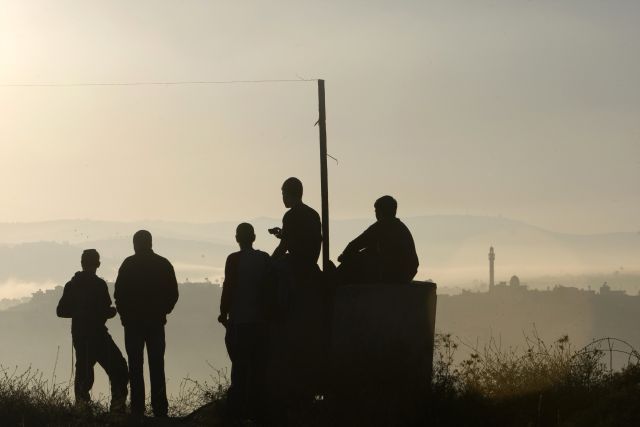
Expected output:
(243, 313)
(301, 233)
(383, 253)
(146, 291)
(87, 302)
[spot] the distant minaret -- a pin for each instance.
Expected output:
(492, 258)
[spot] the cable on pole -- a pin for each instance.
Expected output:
(161, 83)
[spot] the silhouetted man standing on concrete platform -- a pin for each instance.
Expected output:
(383, 253)
(298, 334)
(87, 302)
(146, 291)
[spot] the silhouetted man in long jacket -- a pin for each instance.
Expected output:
(87, 302)
(383, 253)
(146, 291)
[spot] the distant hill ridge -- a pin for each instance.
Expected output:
(452, 248)
(80, 230)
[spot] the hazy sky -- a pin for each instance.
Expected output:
(526, 109)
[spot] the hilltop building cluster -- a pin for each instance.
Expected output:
(514, 284)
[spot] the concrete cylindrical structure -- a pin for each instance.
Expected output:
(383, 331)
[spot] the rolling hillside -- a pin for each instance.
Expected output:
(452, 249)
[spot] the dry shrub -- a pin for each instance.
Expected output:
(541, 384)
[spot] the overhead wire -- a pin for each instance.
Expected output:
(160, 83)
(166, 83)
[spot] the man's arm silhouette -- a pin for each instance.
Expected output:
(411, 261)
(280, 233)
(363, 241)
(105, 302)
(121, 290)
(227, 289)
(171, 288)
(281, 250)
(65, 305)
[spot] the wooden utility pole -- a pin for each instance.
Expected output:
(322, 125)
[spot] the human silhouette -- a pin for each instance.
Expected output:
(298, 327)
(87, 302)
(301, 233)
(243, 312)
(146, 290)
(383, 253)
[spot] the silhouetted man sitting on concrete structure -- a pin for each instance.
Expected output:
(242, 311)
(301, 233)
(383, 253)
(87, 302)
(146, 291)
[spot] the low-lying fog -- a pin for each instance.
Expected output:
(452, 249)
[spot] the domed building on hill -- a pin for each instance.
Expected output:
(514, 282)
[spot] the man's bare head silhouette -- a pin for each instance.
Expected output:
(142, 241)
(90, 260)
(386, 208)
(245, 235)
(291, 192)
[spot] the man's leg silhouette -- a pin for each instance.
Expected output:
(362, 267)
(85, 360)
(238, 344)
(134, 343)
(257, 372)
(155, 340)
(108, 355)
